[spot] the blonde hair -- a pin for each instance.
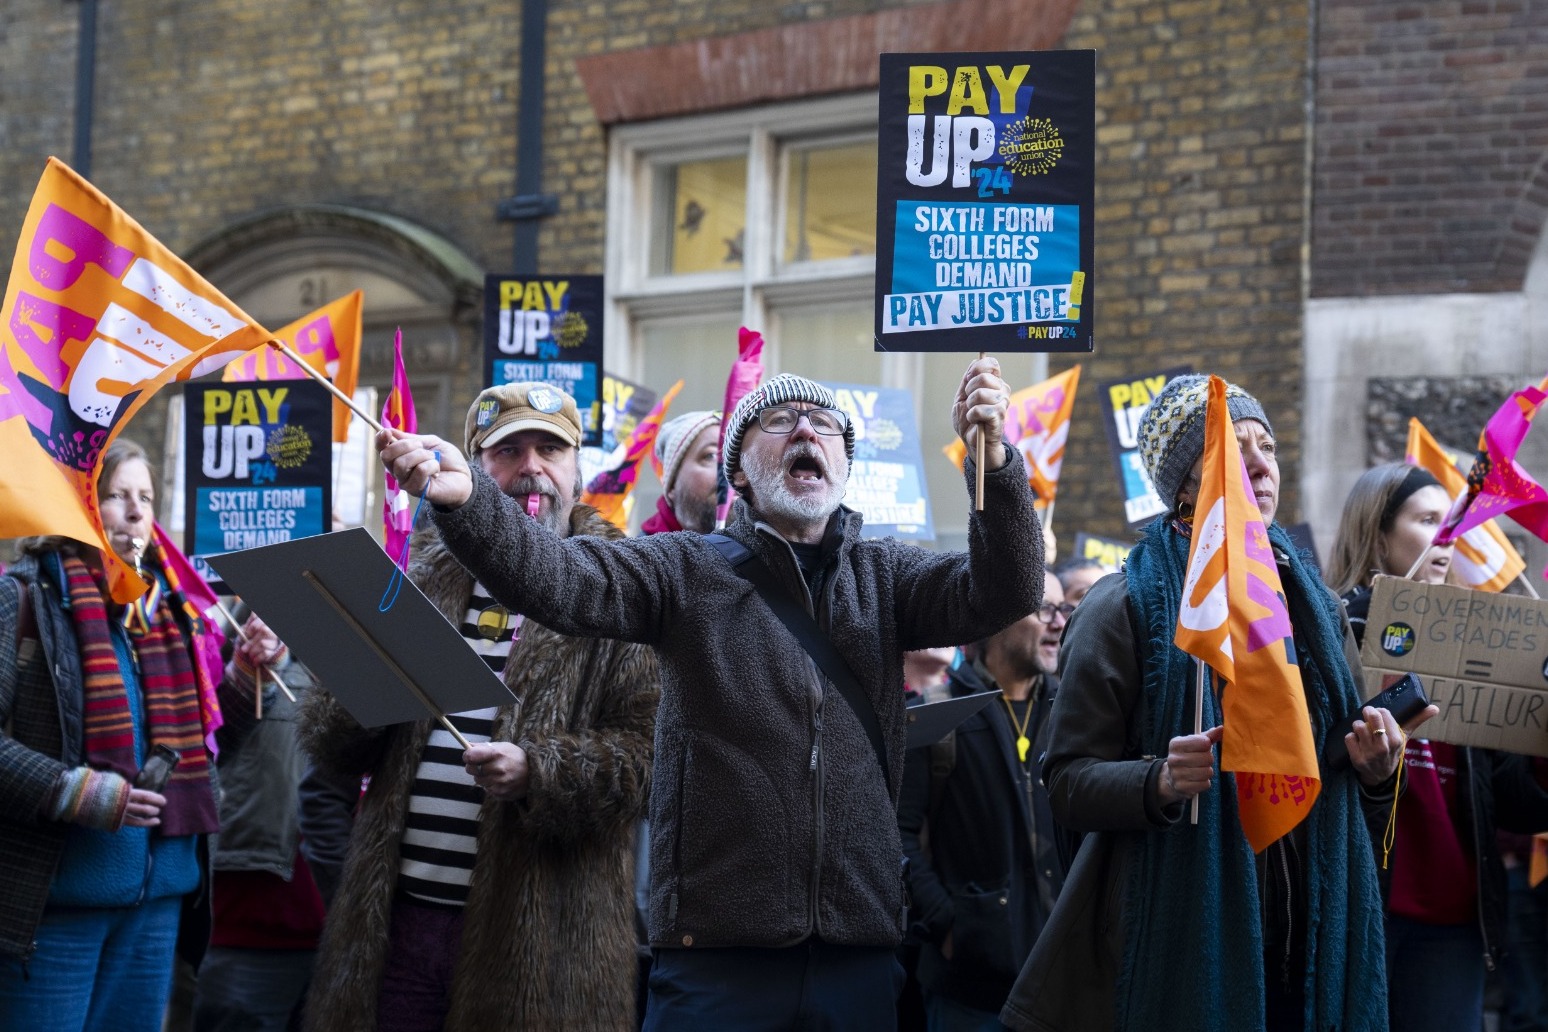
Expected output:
(1357, 548)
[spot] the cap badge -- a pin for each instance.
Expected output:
(545, 399)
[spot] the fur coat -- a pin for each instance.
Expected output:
(548, 938)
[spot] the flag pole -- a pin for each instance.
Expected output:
(978, 503)
(306, 367)
(1198, 723)
(1048, 515)
(243, 636)
(1528, 585)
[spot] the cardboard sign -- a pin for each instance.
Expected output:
(258, 464)
(1124, 404)
(547, 329)
(985, 198)
(624, 404)
(1483, 658)
(886, 479)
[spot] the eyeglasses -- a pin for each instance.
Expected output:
(1045, 612)
(781, 419)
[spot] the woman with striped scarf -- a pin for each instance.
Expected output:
(94, 871)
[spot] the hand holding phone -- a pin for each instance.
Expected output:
(1404, 699)
(158, 768)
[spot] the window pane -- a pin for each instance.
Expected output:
(830, 203)
(832, 343)
(697, 351)
(701, 212)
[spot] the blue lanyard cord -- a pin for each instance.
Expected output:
(395, 583)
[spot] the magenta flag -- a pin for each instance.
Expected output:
(398, 413)
(746, 372)
(1497, 485)
(198, 599)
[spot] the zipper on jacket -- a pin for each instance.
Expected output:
(817, 828)
(1466, 756)
(1284, 862)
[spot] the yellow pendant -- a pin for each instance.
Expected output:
(1022, 745)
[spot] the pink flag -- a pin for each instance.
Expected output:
(398, 413)
(198, 599)
(746, 372)
(1497, 485)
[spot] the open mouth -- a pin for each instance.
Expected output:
(805, 467)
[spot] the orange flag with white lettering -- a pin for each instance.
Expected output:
(97, 316)
(1038, 424)
(329, 340)
(1234, 619)
(1484, 558)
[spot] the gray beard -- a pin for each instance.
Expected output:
(766, 475)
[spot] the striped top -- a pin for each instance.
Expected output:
(440, 833)
(490, 628)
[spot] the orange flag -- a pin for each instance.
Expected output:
(329, 340)
(1038, 424)
(610, 488)
(1234, 619)
(97, 317)
(1485, 559)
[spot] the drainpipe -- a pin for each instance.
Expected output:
(530, 203)
(85, 87)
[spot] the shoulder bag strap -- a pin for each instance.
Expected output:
(817, 644)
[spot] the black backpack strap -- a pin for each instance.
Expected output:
(817, 644)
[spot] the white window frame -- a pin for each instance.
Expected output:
(764, 283)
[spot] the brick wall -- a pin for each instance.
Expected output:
(1431, 123)
(208, 112)
(1200, 188)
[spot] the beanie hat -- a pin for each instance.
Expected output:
(676, 437)
(1171, 433)
(782, 390)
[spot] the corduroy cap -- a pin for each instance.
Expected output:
(503, 410)
(1171, 433)
(676, 437)
(782, 390)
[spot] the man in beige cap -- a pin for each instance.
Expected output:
(490, 888)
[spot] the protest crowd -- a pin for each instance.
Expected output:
(805, 862)
(758, 759)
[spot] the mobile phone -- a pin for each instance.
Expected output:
(158, 768)
(1404, 698)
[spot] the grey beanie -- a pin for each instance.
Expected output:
(1171, 433)
(782, 390)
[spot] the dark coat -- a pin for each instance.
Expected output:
(770, 820)
(548, 936)
(983, 862)
(1101, 785)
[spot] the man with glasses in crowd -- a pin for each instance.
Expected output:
(985, 861)
(776, 895)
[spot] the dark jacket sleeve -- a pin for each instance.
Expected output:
(27, 777)
(946, 598)
(1095, 783)
(930, 909)
(580, 585)
(326, 814)
(593, 782)
(1520, 803)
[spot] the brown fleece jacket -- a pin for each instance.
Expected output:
(548, 938)
(770, 818)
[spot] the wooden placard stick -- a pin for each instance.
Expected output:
(263, 670)
(979, 497)
(306, 367)
(1198, 724)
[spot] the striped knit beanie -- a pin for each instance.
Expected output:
(782, 390)
(676, 437)
(1171, 433)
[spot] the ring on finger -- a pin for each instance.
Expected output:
(1379, 731)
